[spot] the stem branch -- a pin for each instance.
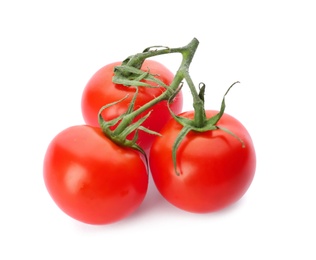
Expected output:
(187, 52)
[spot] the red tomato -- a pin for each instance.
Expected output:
(92, 179)
(100, 90)
(215, 170)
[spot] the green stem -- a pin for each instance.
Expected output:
(198, 104)
(137, 60)
(187, 56)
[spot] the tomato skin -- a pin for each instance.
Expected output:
(100, 90)
(215, 170)
(92, 179)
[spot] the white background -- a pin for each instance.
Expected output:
(50, 49)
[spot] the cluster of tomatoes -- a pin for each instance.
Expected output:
(97, 181)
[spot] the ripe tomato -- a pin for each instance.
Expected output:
(214, 169)
(92, 179)
(100, 90)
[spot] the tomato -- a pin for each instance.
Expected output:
(215, 170)
(92, 179)
(100, 90)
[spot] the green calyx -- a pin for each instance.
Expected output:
(199, 123)
(120, 137)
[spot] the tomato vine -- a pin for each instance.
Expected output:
(130, 75)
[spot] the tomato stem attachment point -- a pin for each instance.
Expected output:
(199, 123)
